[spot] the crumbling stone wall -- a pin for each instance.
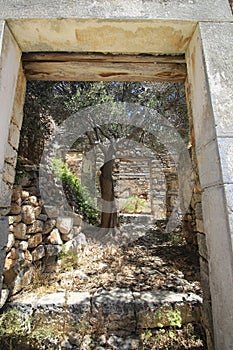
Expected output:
(35, 239)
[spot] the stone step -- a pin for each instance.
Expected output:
(120, 312)
(137, 218)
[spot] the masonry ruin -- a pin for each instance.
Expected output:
(55, 42)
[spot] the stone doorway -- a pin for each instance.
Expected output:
(208, 63)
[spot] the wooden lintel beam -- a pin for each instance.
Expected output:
(105, 71)
(98, 57)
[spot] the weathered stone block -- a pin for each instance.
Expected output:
(23, 245)
(64, 224)
(38, 253)
(204, 10)
(117, 308)
(52, 249)
(14, 135)
(35, 240)
(11, 241)
(25, 195)
(15, 209)
(209, 165)
(20, 231)
(8, 173)
(218, 53)
(49, 225)
(14, 219)
(54, 237)
(154, 307)
(28, 214)
(17, 113)
(77, 219)
(5, 191)
(11, 155)
(35, 227)
(225, 146)
(22, 279)
(52, 212)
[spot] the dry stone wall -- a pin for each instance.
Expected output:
(35, 239)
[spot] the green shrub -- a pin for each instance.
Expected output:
(134, 204)
(77, 195)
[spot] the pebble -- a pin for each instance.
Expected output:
(66, 344)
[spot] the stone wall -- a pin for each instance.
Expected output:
(10, 148)
(156, 184)
(35, 239)
(195, 234)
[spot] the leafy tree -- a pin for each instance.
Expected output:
(50, 103)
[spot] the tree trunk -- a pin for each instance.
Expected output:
(109, 210)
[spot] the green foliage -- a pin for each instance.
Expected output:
(134, 204)
(174, 318)
(68, 259)
(14, 324)
(77, 195)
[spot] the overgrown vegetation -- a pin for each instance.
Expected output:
(68, 260)
(78, 196)
(134, 204)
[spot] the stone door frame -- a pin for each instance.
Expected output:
(203, 33)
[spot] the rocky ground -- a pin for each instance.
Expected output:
(154, 263)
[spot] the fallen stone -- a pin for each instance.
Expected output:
(80, 274)
(76, 244)
(74, 338)
(66, 344)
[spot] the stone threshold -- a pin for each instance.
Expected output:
(120, 311)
